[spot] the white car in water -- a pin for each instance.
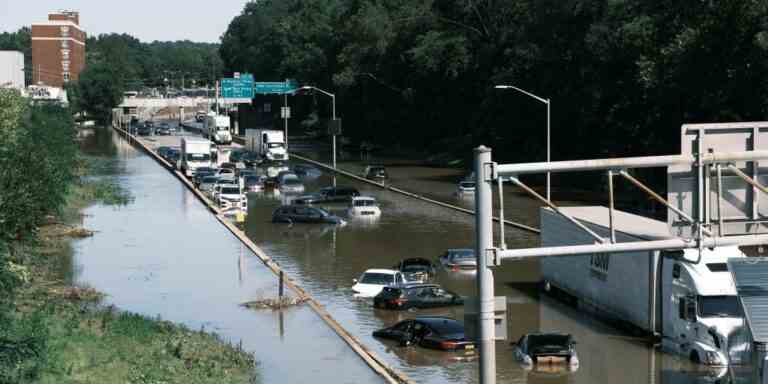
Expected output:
(364, 206)
(372, 281)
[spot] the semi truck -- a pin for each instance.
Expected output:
(687, 298)
(195, 153)
(216, 127)
(267, 143)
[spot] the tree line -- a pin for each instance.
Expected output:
(622, 76)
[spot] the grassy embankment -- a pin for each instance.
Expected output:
(85, 342)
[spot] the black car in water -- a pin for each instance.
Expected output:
(163, 152)
(416, 269)
(304, 214)
(144, 130)
(338, 194)
(434, 332)
(163, 130)
(415, 296)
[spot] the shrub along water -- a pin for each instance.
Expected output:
(51, 332)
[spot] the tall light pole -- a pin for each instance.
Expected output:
(547, 102)
(333, 134)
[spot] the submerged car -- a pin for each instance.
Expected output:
(207, 183)
(376, 173)
(372, 281)
(230, 196)
(415, 296)
(416, 268)
(459, 260)
(304, 214)
(465, 187)
(550, 348)
(364, 206)
(434, 332)
(336, 194)
(291, 184)
(253, 183)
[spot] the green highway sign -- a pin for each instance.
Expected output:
(240, 87)
(275, 87)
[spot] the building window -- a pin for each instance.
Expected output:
(65, 54)
(65, 43)
(65, 65)
(65, 31)
(65, 75)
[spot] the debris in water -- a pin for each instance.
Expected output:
(274, 303)
(78, 294)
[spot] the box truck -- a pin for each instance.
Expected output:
(195, 153)
(267, 143)
(687, 297)
(216, 127)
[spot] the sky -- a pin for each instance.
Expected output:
(147, 20)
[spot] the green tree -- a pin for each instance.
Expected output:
(100, 89)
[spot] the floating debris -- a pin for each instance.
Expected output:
(275, 303)
(77, 294)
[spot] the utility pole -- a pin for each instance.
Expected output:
(483, 243)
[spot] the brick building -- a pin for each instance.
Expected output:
(58, 49)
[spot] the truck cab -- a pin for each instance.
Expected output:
(701, 309)
(274, 146)
(217, 128)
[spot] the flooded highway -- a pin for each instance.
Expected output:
(165, 254)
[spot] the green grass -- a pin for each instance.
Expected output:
(105, 346)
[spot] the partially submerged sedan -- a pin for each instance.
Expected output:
(372, 281)
(434, 332)
(459, 260)
(364, 206)
(304, 214)
(415, 296)
(546, 348)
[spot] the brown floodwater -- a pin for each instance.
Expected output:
(165, 254)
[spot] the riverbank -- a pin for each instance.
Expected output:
(80, 340)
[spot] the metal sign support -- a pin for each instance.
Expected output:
(484, 242)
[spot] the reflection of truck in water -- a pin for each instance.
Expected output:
(195, 153)
(216, 127)
(685, 297)
(266, 143)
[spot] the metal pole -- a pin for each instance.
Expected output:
(483, 242)
(502, 240)
(610, 206)
(280, 290)
(549, 152)
(719, 169)
(285, 127)
(333, 100)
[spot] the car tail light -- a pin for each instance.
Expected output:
(448, 344)
(455, 268)
(398, 301)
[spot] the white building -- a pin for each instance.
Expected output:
(11, 69)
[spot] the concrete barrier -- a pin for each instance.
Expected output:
(388, 373)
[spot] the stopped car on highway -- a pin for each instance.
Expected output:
(304, 214)
(230, 196)
(338, 194)
(434, 332)
(376, 173)
(416, 269)
(290, 183)
(372, 281)
(459, 260)
(207, 183)
(364, 206)
(465, 187)
(163, 130)
(253, 183)
(416, 295)
(549, 348)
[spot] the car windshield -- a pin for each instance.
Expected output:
(377, 278)
(719, 306)
(462, 255)
(198, 156)
(447, 327)
(275, 145)
(415, 268)
(467, 184)
(291, 181)
(230, 191)
(548, 339)
(210, 179)
(251, 179)
(365, 203)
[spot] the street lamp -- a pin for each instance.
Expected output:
(333, 134)
(547, 102)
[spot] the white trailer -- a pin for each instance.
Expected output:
(195, 153)
(216, 127)
(267, 143)
(687, 297)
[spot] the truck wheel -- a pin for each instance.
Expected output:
(695, 357)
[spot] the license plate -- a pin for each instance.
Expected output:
(469, 346)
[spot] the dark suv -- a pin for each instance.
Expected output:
(415, 296)
(331, 194)
(304, 214)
